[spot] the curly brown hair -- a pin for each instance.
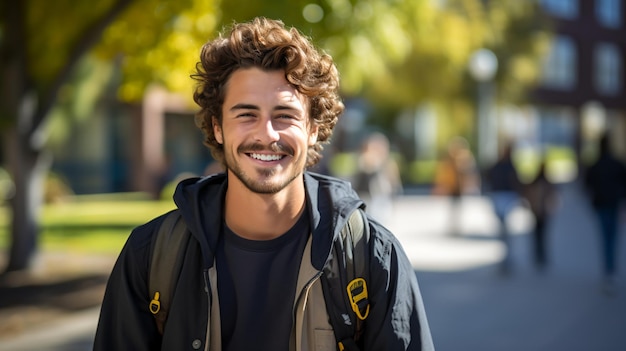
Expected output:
(267, 44)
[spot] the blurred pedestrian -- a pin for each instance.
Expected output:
(504, 189)
(605, 181)
(542, 198)
(456, 175)
(378, 176)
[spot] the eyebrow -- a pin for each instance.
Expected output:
(244, 106)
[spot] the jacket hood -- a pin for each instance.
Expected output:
(330, 203)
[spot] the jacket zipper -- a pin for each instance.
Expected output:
(303, 292)
(306, 287)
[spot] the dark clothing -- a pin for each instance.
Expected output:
(502, 176)
(542, 199)
(606, 183)
(608, 219)
(256, 283)
(396, 321)
(504, 190)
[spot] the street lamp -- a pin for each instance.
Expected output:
(483, 65)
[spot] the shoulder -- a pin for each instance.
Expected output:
(330, 190)
(141, 237)
(385, 246)
(326, 180)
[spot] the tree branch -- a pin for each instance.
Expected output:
(13, 75)
(85, 43)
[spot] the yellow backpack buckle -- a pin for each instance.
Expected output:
(357, 293)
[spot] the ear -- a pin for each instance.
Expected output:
(313, 135)
(217, 131)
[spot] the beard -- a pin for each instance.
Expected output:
(265, 180)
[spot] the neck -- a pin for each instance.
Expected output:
(257, 216)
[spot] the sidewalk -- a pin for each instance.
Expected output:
(72, 333)
(470, 306)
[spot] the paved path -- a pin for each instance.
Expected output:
(472, 307)
(469, 304)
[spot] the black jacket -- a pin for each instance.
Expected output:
(397, 320)
(605, 181)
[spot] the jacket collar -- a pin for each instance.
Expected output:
(330, 203)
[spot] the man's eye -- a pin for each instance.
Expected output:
(246, 114)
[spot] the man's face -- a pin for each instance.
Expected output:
(265, 130)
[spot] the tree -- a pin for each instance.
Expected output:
(41, 44)
(37, 54)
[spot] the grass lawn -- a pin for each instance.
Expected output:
(90, 224)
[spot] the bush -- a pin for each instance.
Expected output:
(56, 189)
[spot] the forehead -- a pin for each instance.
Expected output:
(258, 85)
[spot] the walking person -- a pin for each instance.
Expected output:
(456, 176)
(605, 182)
(378, 177)
(256, 272)
(542, 198)
(504, 189)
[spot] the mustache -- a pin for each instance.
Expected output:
(273, 147)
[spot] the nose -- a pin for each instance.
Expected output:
(267, 132)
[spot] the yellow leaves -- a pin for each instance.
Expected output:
(164, 45)
(524, 69)
(392, 37)
(455, 40)
(421, 46)
(52, 30)
(340, 9)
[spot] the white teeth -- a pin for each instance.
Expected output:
(265, 157)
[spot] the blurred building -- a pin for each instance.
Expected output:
(130, 148)
(583, 89)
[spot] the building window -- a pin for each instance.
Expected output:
(608, 68)
(609, 13)
(559, 69)
(567, 9)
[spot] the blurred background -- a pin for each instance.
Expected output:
(97, 127)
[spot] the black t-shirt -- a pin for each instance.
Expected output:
(256, 287)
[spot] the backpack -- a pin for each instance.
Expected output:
(344, 280)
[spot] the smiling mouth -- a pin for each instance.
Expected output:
(266, 157)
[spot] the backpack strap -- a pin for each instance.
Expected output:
(344, 282)
(168, 250)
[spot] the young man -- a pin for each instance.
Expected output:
(263, 231)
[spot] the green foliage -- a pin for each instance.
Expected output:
(344, 164)
(397, 53)
(90, 225)
(421, 172)
(52, 30)
(78, 98)
(164, 45)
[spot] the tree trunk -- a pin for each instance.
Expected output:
(28, 168)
